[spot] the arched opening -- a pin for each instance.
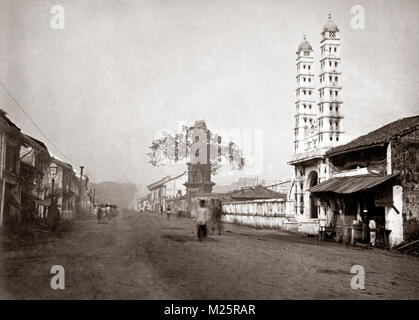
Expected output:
(313, 180)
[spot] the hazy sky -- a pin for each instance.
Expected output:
(121, 71)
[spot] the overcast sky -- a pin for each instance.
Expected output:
(120, 71)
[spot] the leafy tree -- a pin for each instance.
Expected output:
(194, 145)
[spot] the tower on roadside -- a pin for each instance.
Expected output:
(330, 128)
(305, 115)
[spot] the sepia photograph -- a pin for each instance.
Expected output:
(209, 155)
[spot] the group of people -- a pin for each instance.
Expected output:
(177, 212)
(104, 211)
(369, 224)
(208, 215)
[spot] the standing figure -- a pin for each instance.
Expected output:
(213, 221)
(99, 214)
(108, 212)
(218, 214)
(365, 226)
(178, 213)
(373, 232)
(202, 217)
(168, 212)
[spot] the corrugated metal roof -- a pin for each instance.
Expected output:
(352, 184)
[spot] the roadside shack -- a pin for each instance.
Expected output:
(350, 202)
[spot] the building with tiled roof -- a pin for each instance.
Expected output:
(375, 176)
(256, 193)
(379, 136)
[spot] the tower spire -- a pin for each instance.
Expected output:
(305, 114)
(330, 128)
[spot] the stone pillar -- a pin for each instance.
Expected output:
(394, 220)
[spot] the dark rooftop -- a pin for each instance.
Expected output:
(8, 121)
(34, 142)
(62, 163)
(256, 192)
(379, 136)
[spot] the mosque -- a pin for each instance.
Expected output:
(318, 117)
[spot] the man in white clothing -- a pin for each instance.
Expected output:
(202, 217)
(373, 232)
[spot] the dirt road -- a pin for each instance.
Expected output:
(148, 257)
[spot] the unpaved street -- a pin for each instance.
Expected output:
(148, 257)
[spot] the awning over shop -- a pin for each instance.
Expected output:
(352, 184)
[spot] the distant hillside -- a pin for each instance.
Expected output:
(121, 194)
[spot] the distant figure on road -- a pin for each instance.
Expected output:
(365, 226)
(373, 232)
(168, 212)
(202, 217)
(99, 214)
(212, 214)
(178, 212)
(108, 212)
(218, 212)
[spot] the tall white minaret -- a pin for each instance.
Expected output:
(305, 115)
(330, 118)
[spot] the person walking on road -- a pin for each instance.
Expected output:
(178, 212)
(373, 232)
(202, 217)
(99, 214)
(168, 212)
(108, 212)
(365, 227)
(217, 215)
(213, 221)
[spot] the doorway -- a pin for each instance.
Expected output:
(314, 210)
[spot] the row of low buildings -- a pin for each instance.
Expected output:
(168, 192)
(176, 194)
(25, 179)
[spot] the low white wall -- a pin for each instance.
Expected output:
(309, 227)
(257, 213)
